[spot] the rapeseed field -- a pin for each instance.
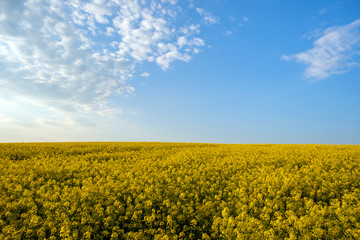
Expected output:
(179, 191)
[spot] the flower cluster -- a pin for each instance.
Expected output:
(179, 191)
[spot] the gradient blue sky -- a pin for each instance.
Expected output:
(223, 71)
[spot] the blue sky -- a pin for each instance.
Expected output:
(222, 71)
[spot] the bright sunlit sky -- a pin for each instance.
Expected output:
(222, 71)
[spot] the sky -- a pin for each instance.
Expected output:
(215, 71)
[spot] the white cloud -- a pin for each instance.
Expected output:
(99, 10)
(208, 17)
(196, 51)
(72, 55)
(173, 2)
(182, 41)
(197, 42)
(164, 60)
(190, 30)
(45, 121)
(145, 74)
(332, 53)
(109, 31)
(7, 121)
(246, 19)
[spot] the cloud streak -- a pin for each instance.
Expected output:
(73, 55)
(8, 120)
(207, 16)
(333, 52)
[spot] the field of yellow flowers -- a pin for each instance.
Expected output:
(179, 191)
